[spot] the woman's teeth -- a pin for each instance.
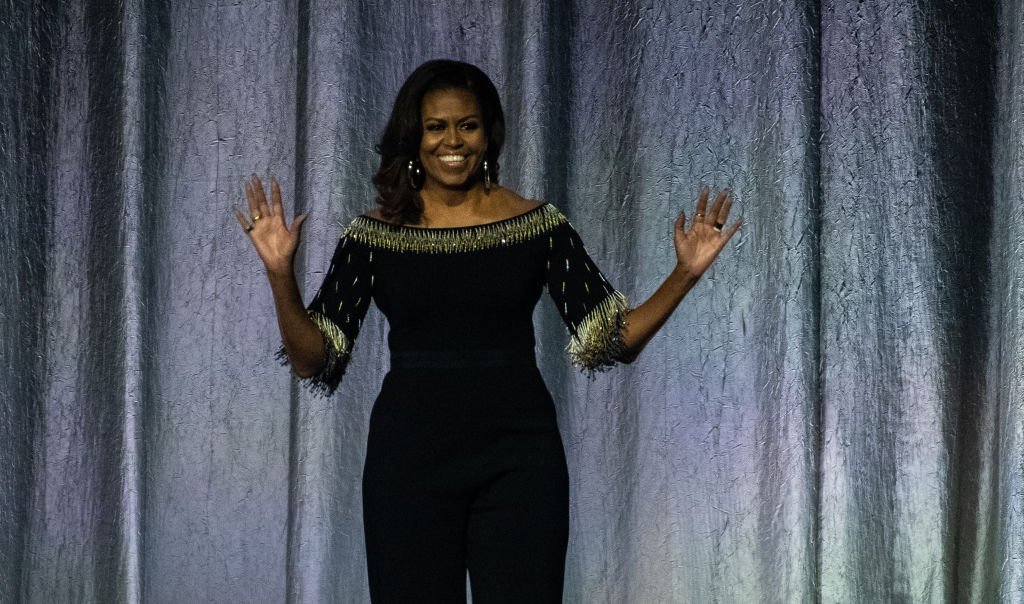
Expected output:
(452, 159)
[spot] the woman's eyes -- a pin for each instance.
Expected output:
(465, 126)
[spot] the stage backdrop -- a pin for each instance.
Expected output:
(833, 415)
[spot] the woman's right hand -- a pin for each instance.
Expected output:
(273, 239)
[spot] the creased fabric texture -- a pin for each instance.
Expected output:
(833, 415)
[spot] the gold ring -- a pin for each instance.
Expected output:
(256, 217)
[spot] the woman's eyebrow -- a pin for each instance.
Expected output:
(472, 116)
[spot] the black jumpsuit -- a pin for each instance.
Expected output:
(465, 466)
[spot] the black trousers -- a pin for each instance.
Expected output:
(465, 469)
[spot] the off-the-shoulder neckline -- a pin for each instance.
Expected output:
(484, 225)
(499, 233)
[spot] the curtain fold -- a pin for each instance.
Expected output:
(905, 157)
(832, 415)
(999, 536)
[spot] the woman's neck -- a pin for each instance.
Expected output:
(446, 207)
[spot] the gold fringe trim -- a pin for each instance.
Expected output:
(334, 338)
(598, 342)
(397, 238)
(337, 351)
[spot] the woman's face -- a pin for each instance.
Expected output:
(454, 142)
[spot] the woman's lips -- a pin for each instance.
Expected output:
(452, 160)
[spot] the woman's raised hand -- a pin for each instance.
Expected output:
(698, 247)
(273, 239)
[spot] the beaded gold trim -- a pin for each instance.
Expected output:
(396, 238)
(337, 351)
(597, 343)
(334, 337)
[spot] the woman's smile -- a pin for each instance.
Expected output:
(453, 160)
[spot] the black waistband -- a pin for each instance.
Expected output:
(457, 359)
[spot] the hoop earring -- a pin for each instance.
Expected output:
(487, 177)
(415, 174)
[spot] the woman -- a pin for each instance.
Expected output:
(464, 467)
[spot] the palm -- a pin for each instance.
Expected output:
(274, 240)
(697, 248)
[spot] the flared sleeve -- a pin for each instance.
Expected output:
(338, 309)
(592, 309)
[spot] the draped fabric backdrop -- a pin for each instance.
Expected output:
(833, 415)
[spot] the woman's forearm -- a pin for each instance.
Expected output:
(303, 342)
(645, 320)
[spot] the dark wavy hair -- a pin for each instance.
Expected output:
(401, 139)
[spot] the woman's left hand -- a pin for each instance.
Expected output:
(697, 248)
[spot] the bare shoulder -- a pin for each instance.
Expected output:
(513, 204)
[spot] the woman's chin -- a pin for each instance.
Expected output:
(453, 184)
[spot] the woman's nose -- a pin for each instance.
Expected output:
(452, 137)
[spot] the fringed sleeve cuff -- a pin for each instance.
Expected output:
(597, 343)
(337, 351)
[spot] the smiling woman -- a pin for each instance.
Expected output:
(453, 145)
(464, 466)
(461, 103)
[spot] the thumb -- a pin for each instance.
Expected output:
(297, 224)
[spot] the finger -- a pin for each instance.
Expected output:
(717, 206)
(702, 205)
(680, 224)
(240, 216)
(250, 196)
(723, 213)
(729, 232)
(275, 195)
(262, 208)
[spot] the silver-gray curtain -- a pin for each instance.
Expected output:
(833, 415)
